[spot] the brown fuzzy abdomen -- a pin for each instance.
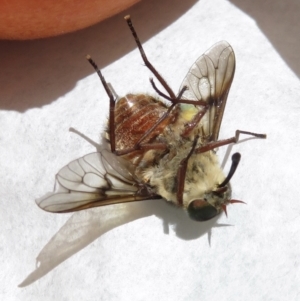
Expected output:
(134, 116)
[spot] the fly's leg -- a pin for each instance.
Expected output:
(171, 96)
(178, 99)
(175, 100)
(112, 101)
(139, 145)
(214, 144)
(144, 147)
(189, 126)
(182, 172)
(145, 59)
(112, 104)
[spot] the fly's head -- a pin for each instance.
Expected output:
(214, 202)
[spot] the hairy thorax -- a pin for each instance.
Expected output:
(159, 168)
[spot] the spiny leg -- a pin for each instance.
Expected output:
(160, 120)
(178, 99)
(112, 104)
(189, 126)
(145, 59)
(175, 100)
(214, 144)
(172, 97)
(182, 172)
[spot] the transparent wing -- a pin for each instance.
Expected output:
(96, 179)
(209, 80)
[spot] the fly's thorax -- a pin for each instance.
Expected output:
(203, 175)
(187, 113)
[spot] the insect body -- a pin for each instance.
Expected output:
(159, 150)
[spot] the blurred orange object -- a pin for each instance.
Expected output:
(33, 19)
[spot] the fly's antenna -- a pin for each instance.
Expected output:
(235, 162)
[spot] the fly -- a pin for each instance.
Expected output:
(159, 150)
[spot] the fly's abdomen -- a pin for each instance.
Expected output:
(135, 115)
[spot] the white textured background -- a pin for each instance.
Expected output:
(149, 250)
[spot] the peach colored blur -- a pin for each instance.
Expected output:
(33, 19)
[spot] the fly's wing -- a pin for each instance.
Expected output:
(209, 80)
(96, 179)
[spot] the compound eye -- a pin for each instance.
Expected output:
(200, 210)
